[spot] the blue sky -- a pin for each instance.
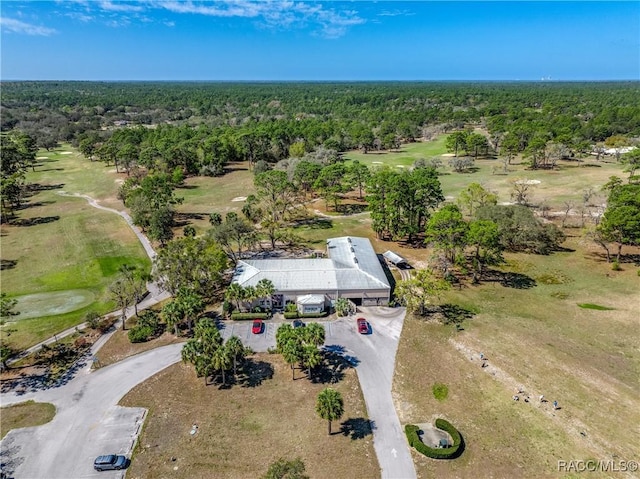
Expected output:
(299, 40)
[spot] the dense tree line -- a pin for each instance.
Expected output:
(18, 154)
(336, 115)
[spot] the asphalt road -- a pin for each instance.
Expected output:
(89, 423)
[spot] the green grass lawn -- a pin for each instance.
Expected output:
(61, 244)
(405, 156)
(541, 339)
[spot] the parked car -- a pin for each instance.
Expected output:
(297, 323)
(257, 326)
(109, 462)
(363, 326)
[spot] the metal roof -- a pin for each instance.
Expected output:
(393, 257)
(310, 299)
(352, 265)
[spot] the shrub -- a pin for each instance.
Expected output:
(150, 319)
(140, 334)
(106, 324)
(242, 316)
(92, 319)
(440, 391)
(616, 266)
(227, 308)
(290, 314)
(291, 308)
(313, 315)
(452, 452)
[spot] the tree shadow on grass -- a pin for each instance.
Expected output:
(39, 220)
(510, 279)
(255, 373)
(183, 219)
(357, 428)
(8, 264)
(316, 223)
(454, 314)
(41, 187)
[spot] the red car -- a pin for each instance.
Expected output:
(257, 326)
(363, 326)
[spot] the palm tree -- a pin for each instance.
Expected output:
(330, 405)
(314, 334)
(236, 350)
(235, 293)
(172, 314)
(283, 334)
(292, 354)
(221, 361)
(191, 303)
(311, 358)
(265, 288)
(249, 294)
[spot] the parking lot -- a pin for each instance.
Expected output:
(88, 423)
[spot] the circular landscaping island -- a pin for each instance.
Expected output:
(52, 303)
(439, 446)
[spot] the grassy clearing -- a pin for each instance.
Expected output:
(26, 414)
(543, 342)
(204, 194)
(64, 244)
(242, 430)
(404, 157)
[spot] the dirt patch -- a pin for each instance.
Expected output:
(275, 417)
(25, 414)
(118, 347)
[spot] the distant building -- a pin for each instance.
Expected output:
(352, 270)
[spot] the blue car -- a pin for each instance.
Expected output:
(109, 462)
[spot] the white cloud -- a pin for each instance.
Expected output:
(395, 13)
(109, 6)
(280, 14)
(320, 18)
(80, 16)
(16, 26)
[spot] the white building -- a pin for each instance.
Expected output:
(352, 270)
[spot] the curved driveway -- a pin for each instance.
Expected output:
(88, 421)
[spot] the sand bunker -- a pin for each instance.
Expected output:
(239, 198)
(448, 154)
(66, 152)
(400, 166)
(528, 182)
(42, 157)
(377, 163)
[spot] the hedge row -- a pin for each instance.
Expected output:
(454, 451)
(295, 314)
(241, 316)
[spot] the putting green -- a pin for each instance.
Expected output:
(50, 304)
